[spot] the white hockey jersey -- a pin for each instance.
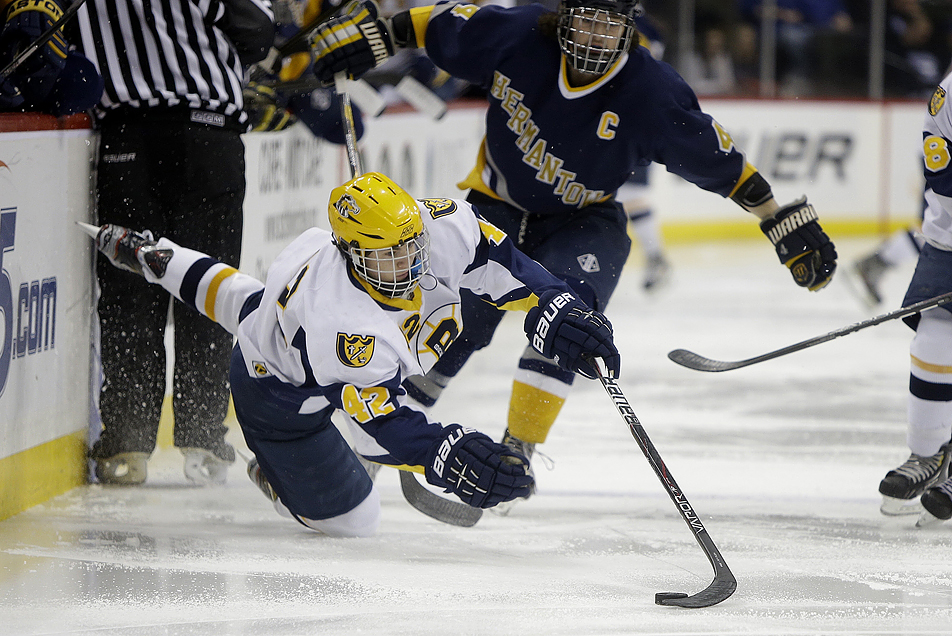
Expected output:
(334, 341)
(937, 148)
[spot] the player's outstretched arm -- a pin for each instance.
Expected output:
(478, 470)
(210, 287)
(565, 329)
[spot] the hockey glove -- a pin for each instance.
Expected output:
(355, 41)
(478, 470)
(26, 21)
(267, 111)
(566, 330)
(801, 244)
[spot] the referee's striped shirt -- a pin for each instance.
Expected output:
(155, 53)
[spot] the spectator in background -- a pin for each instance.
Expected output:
(799, 25)
(52, 80)
(917, 49)
(710, 69)
(171, 159)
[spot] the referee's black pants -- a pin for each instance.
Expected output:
(158, 171)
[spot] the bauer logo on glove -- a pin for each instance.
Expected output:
(565, 329)
(801, 244)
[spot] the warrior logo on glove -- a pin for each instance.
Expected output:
(802, 245)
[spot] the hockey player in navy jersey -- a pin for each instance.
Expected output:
(574, 108)
(343, 318)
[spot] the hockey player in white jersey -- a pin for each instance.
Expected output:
(924, 477)
(342, 319)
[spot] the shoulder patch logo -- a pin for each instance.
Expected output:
(439, 207)
(261, 369)
(938, 99)
(354, 351)
(589, 263)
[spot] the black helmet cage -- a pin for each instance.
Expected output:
(589, 49)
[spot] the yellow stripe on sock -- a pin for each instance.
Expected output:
(212, 292)
(532, 412)
(932, 368)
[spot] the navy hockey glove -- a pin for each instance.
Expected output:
(565, 329)
(801, 244)
(26, 21)
(478, 470)
(355, 42)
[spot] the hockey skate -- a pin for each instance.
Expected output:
(255, 474)
(902, 487)
(937, 504)
(129, 250)
(525, 448)
(208, 467)
(122, 469)
(657, 273)
(864, 277)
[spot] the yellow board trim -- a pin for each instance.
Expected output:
(746, 227)
(38, 474)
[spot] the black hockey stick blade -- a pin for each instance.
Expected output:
(698, 362)
(40, 41)
(724, 582)
(455, 513)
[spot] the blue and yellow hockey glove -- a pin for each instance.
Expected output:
(25, 22)
(801, 244)
(354, 42)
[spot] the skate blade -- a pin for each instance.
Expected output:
(503, 509)
(892, 507)
(927, 520)
(92, 230)
(859, 289)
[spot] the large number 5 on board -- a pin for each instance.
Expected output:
(937, 154)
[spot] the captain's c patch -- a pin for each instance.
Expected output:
(354, 351)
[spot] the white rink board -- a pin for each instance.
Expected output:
(855, 160)
(45, 287)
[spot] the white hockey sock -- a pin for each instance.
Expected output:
(930, 398)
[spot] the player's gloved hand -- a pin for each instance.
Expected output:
(26, 21)
(478, 470)
(565, 329)
(267, 110)
(355, 41)
(801, 244)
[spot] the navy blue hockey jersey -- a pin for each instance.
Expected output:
(551, 148)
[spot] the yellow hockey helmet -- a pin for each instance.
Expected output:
(379, 229)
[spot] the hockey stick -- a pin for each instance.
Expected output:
(429, 503)
(724, 582)
(697, 362)
(40, 41)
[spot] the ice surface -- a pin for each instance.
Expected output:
(781, 460)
